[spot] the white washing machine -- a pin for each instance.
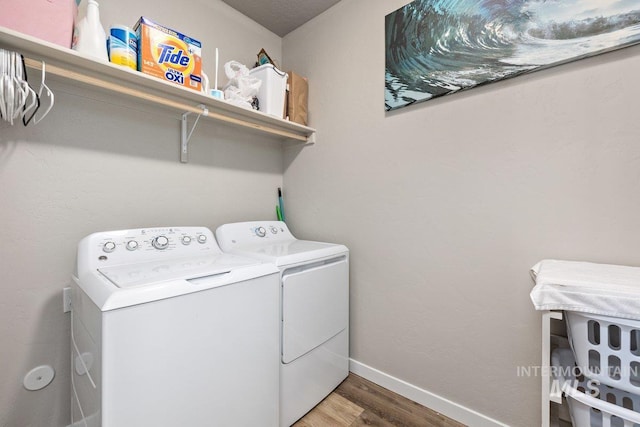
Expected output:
(314, 299)
(168, 331)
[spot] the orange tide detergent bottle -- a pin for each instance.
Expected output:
(168, 54)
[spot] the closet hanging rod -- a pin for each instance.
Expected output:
(114, 87)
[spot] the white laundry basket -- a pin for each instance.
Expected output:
(607, 349)
(592, 404)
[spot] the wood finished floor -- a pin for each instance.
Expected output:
(359, 402)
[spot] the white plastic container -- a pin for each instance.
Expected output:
(590, 404)
(607, 349)
(91, 37)
(273, 89)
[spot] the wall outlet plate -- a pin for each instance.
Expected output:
(66, 299)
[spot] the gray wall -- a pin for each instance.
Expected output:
(98, 163)
(446, 205)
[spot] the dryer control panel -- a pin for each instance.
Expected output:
(243, 233)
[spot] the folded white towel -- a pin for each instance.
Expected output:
(609, 290)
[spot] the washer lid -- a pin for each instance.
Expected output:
(149, 273)
(126, 285)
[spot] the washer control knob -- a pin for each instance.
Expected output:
(261, 232)
(186, 240)
(132, 245)
(273, 230)
(202, 238)
(109, 247)
(160, 242)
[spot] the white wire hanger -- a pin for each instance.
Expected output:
(49, 94)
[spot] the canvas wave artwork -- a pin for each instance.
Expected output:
(439, 47)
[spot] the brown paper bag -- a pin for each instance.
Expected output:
(297, 98)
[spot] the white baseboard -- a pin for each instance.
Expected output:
(426, 398)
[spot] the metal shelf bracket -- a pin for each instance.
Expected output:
(185, 134)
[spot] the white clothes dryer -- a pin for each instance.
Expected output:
(169, 331)
(314, 300)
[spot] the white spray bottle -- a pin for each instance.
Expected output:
(90, 37)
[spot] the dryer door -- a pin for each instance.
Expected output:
(315, 305)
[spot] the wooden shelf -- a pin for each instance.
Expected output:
(72, 65)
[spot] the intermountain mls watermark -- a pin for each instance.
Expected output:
(577, 377)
